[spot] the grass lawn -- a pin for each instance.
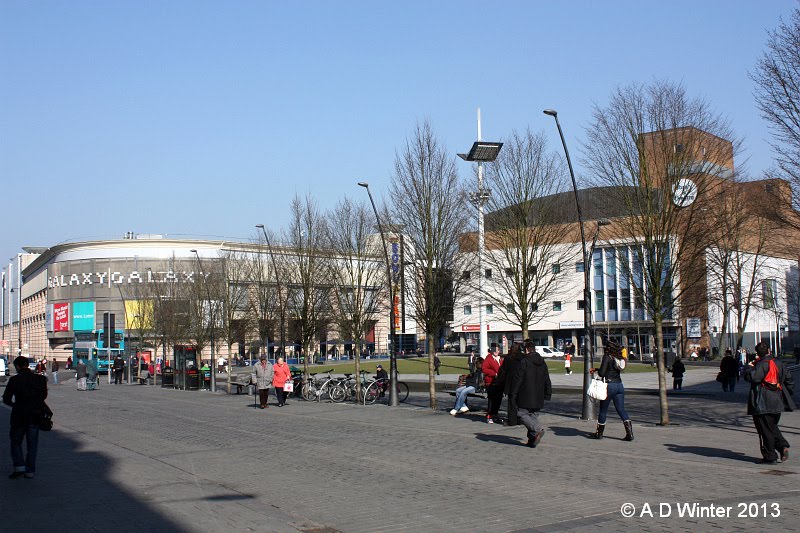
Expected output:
(450, 365)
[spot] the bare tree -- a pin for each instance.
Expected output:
(777, 79)
(662, 155)
(357, 273)
(229, 287)
(738, 229)
(308, 287)
(268, 292)
(429, 204)
(527, 236)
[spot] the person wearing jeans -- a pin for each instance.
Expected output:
(610, 367)
(462, 393)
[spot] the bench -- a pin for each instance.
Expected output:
(479, 393)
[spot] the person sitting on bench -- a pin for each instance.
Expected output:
(467, 384)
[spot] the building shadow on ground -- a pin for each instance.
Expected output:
(70, 477)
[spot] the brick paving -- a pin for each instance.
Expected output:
(137, 458)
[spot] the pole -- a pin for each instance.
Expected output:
(586, 408)
(392, 356)
(483, 337)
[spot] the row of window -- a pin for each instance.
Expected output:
(557, 306)
(487, 273)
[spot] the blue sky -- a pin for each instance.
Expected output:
(205, 118)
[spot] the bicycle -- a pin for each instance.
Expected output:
(346, 387)
(377, 389)
(319, 388)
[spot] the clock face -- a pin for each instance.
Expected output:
(684, 193)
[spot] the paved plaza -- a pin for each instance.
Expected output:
(142, 458)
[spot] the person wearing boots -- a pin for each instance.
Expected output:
(611, 366)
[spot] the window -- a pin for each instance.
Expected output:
(678, 148)
(556, 268)
(467, 309)
(509, 308)
(581, 305)
(769, 291)
(556, 306)
(489, 309)
(612, 300)
(487, 273)
(465, 274)
(509, 272)
(532, 308)
(579, 266)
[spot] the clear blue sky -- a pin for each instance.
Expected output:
(205, 118)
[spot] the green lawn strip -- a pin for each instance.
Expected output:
(450, 365)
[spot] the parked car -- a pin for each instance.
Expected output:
(548, 351)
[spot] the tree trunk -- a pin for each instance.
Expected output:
(230, 346)
(357, 359)
(430, 340)
(662, 370)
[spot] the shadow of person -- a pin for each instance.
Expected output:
(569, 432)
(501, 439)
(710, 452)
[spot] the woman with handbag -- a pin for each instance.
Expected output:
(281, 376)
(610, 367)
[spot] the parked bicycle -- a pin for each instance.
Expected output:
(317, 389)
(378, 388)
(347, 387)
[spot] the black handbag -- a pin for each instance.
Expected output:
(43, 418)
(719, 377)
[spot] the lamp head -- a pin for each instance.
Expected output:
(193, 251)
(363, 184)
(551, 112)
(603, 222)
(260, 226)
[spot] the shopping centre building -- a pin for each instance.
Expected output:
(51, 296)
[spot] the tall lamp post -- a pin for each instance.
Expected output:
(392, 356)
(277, 282)
(587, 297)
(481, 152)
(211, 325)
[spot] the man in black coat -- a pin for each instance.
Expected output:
(119, 368)
(771, 389)
(530, 387)
(25, 393)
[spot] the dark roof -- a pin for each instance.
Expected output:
(596, 203)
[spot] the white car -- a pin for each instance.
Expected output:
(548, 351)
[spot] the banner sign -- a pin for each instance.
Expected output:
(83, 316)
(694, 328)
(395, 282)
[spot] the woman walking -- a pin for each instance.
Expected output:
(281, 375)
(610, 367)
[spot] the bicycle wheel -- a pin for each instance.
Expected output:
(338, 394)
(402, 391)
(309, 392)
(372, 393)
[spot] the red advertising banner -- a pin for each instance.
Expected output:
(61, 317)
(473, 327)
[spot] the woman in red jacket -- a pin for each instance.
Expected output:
(281, 375)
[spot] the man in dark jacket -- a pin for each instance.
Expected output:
(25, 393)
(530, 387)
(119, 368)
(504, 379)
(729, 369)
(771, 389)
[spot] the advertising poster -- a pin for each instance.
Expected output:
(83, 316)
(61, 317)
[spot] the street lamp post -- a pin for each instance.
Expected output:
(392, 356)
(277, 283)
(481, 152)
(587, 297)
(211, 325)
